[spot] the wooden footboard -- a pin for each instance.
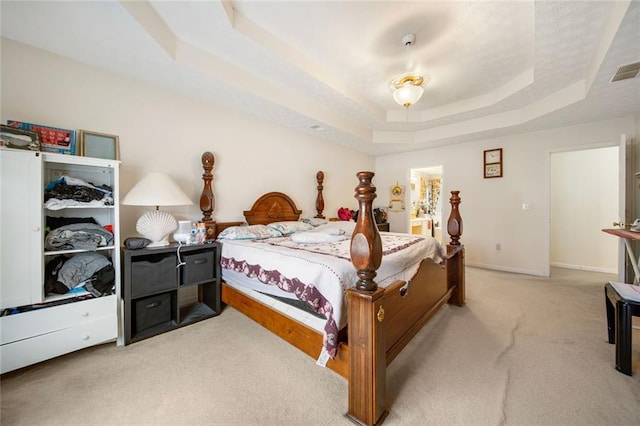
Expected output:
(409, 306)
(381, 321)
(428, 290)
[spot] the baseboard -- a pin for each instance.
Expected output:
(541, 273)
(507, 269)
(585, 268)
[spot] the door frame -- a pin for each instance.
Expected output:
(408, 196)
(625, 204)
(622, 201)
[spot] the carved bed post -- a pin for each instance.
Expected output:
(319, 199)
(454, 224)
(366, 244)
(455, 270)
(367, 359)
(207, 199)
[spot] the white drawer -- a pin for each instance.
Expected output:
(48, 320)
(30, 351)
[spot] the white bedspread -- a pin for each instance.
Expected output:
(320, 274)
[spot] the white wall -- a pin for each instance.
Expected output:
(584, 200)
(162, 131)
(492, 208)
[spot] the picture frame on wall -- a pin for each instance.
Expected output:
(99, 145)
(492, 170)
(493, 163)
(12, 137)
(396, 204)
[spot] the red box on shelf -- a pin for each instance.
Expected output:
(52, 139)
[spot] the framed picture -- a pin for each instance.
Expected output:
(397, 192)
(493, 163)
(12, 137)
(52, 139)
(397, 198)
(99, 145)
(492, 170)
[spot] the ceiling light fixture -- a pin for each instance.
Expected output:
(407, 88)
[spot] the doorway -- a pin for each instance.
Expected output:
(425, 202)
(584, 195)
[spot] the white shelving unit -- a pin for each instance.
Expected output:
(41, 331)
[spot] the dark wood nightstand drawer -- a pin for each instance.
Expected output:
(200, 267)
(383, 227)
(153, 273)
(153, 311)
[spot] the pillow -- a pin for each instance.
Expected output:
(347, 227)
(315, 221)
(250, 232)
(317, 237)
(345, 214)
(289, 227)
(136, 243)
(330, 230)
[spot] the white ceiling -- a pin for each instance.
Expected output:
(495, 68)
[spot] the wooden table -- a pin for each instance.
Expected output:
(628, 236)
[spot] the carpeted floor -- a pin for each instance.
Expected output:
(524, 351)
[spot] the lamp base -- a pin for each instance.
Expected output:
(161, 243)
(156, 225)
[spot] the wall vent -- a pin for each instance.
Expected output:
(627, 71)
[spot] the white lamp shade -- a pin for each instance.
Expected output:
(156, 189)
(408, 94)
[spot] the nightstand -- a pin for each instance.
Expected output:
(168, 287)
(383, 227)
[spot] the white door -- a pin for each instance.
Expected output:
(20, 228)
(624, 209)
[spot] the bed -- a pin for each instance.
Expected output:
(380, 319)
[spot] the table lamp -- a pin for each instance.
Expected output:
(156, 189)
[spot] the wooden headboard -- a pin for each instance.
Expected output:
(272, 207)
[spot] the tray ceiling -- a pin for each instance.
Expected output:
(324, 67)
